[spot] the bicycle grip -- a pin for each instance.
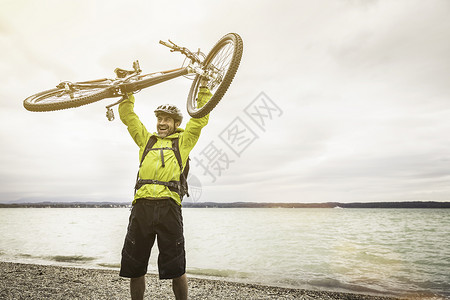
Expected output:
(165, 44)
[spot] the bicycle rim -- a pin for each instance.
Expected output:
(57, 99)
(223, 60)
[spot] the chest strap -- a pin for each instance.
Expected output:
(174, 186)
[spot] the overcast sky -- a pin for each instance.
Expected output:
(359, 91)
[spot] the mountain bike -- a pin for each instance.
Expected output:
(215, 70)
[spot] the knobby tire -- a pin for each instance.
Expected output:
(236, 40)
(57, 99)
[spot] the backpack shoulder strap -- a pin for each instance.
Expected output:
(183, 172)
(176, 150)
(150, 143)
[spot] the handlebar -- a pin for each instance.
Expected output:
(175, 48)
(168, 45)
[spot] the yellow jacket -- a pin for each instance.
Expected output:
(152, 165)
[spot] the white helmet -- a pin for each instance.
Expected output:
(171, 110)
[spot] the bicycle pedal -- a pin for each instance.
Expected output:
(110, 114)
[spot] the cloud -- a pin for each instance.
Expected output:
(362, 85)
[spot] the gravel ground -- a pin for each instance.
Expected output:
(24, 281)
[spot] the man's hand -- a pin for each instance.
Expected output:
(204, 82)
(203, 96)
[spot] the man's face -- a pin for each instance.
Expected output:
(165, 125)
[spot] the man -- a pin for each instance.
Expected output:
(156, 211)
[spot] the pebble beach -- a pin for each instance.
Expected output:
(27, 281)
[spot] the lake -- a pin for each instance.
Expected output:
(376, 251)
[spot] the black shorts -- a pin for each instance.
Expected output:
(149, 219)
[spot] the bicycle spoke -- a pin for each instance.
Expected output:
(220, 64)
(223, 58)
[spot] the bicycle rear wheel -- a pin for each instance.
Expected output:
(57, 99)
(222, 62)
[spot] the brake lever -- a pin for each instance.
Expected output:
(175, 45)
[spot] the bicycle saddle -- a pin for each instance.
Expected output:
(122, 73)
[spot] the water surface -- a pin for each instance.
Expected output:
(380, 251)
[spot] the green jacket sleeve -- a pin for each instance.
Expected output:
(194, 127)
(135, 127)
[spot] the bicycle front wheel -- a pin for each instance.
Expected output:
(221, 64)
(57, 99)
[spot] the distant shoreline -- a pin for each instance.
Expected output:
(407, 204)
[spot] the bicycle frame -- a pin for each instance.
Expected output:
(165, 75)
(121, 87)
